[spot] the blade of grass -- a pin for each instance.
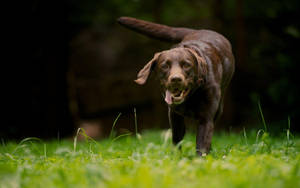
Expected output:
(122, 135)
(258, 133)
(288, 130)
(289, 141)
(245, 136)
(114, 124)
(87, 138)
(45, 151)
(137, 135)
(262, 116)
(75, 140)
(21, 143)
(135, 121)
(167, 136)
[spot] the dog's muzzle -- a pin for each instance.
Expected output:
(176, 91)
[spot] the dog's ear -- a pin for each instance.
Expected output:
(145, 72)
(201, 65)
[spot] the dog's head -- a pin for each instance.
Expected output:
(179, 70)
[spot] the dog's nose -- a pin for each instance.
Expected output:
(176, 79)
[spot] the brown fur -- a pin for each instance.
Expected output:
(193, 74)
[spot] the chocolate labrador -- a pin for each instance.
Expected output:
(193, 75)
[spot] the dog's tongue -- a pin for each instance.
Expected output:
(168, 97)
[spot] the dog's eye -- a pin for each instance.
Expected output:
(164, 66)
(186, 65)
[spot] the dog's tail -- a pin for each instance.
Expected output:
(158, 31)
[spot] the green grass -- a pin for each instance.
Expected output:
(246, 159)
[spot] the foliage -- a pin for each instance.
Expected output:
(237, 160)
(272, 33)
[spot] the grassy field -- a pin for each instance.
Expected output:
(251, 159)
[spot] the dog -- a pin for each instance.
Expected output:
(193, 75)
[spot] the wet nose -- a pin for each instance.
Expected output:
(176, 79)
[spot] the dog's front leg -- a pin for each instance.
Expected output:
(206, 120)
(203, 137)
(177, 124)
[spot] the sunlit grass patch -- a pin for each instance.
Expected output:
(246, 159)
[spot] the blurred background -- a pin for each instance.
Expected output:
(71, 65)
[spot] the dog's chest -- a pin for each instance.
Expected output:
(193, 105)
